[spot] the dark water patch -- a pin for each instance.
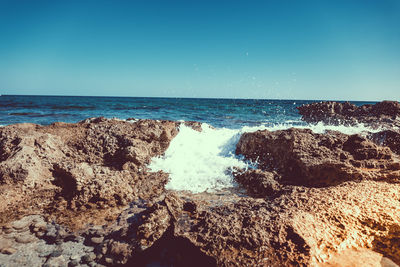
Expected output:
(24, 114)
(39, 115)
(73, 107)
(18, 105)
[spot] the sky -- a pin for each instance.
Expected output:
(272, 49)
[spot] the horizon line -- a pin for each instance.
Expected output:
(213, 98)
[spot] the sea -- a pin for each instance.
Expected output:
(196, 161)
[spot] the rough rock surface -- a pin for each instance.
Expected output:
(81, 195)
(389, 138)
(301, 157)
(96, 163)
(337, 195)
(381, 114)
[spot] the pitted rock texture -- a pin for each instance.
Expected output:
(389, 138)
(259, 183)
(96, 163)
(301, 227)
(315, 200)
(385, 113)
(301, 157)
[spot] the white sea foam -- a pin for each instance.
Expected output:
(200, 161)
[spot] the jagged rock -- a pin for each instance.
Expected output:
(389, 138)
(313, 198)
(384, 113)
(155, 224)
(302, 157)
(259, 183)
(96, 163)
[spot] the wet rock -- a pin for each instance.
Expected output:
(383, 113)
(389, 138)
(259, 183)
(301, 157)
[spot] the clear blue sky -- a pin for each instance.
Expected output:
(345, 50)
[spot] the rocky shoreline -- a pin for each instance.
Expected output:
(81, 195)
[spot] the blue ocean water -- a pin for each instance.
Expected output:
(227, 113)
(195, 161)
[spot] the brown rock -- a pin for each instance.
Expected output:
(302, 157)
(314, 196)
(352, 258)
(383, 113)
(97, 240)
(21, 224)
(97, 163)
(119, 253)
(259, 183)
(8, 250)
(301, 227)
(155, 223)
(4, 243)
(24, 239)
(389, 138)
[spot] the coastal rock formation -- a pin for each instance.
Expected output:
(259, 183)
(96, 163)
(302, 227)
(335, 192)
(329, 112)
(301, 157)
(82, 195)
(389, 138)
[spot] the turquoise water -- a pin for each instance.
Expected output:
(228, 113)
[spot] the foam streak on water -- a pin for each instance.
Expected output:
(201, 161)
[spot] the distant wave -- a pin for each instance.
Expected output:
(24, 114)
(74, 107)
(37, 115)
(18, 105)
(136, 108)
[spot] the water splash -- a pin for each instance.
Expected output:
(201, 161)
